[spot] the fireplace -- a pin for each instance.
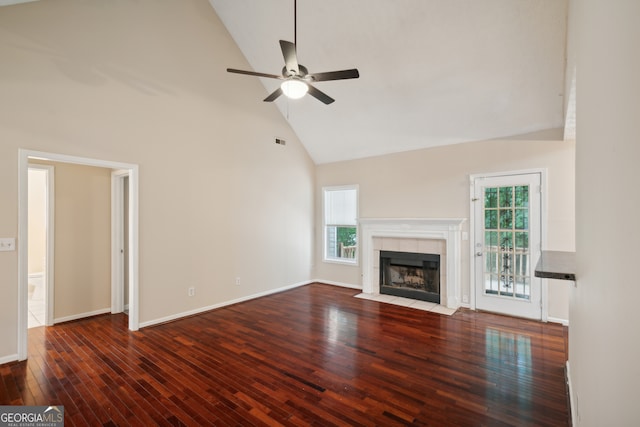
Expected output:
(410, 275)
(441, 236)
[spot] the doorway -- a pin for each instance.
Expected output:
(41, 244)
(131, 173)
(507, 230)
(120, 214)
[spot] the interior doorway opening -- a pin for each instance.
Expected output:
(40, 250)
(123, 172)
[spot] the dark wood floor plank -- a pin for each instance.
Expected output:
(310, 356)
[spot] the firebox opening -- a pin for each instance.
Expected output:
(410, 275)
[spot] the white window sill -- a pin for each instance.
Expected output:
(353, 263)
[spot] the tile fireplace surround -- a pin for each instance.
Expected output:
(440, 236)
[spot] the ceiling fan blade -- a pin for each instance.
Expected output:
(253, 73)
(335, 75)
(319, 95)
(290, 56)
(274, 95)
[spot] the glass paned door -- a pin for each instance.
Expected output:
(506, 235)
(507, 242)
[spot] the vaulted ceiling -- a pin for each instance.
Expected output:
(432, 72)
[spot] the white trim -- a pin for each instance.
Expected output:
(564, 322)
(23, 166)
(544, 213)
(340, 284)
(117, 240)
(8, 359)
(473, 198)
(340, 261)
(23, 254)
(134, 286)
(345, 261)
(200, 310)
(50, 220)
(572, 405)
(82, 315)
(448, 229)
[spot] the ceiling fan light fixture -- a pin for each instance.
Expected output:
(294, 88)
(296, 76)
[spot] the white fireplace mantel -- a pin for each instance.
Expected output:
(447, 229)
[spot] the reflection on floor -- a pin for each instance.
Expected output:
(36, 302)
(408, 302)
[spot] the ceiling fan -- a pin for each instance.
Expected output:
(296, 78)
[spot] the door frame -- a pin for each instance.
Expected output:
(49, 276)
(544, 284)
(23, 170)
(117, 239)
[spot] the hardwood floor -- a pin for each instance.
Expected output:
(310, 356)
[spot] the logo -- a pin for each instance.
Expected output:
(31, 416)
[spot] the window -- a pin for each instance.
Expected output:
(341, 224)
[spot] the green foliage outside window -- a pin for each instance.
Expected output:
(347, 236)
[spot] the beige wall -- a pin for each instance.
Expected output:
(145, 83)
(82, 261)
(604, 341)
(434, 183)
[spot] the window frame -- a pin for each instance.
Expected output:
(337, 260)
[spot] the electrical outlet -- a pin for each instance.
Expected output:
(191, 291)
(237, 281)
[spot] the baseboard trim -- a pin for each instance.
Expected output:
(342, 285)
(200, 310)
(8, 359)
(571, 399)
(565, 322)
(81, 315)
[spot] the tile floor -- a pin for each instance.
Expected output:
(36, 303)
(407, 302)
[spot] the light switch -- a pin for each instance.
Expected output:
(7, 244)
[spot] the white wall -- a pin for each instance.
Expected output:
(434, 183)
(37, 221)
(604, 341)
(144, 83)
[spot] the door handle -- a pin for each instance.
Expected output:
(478, 253)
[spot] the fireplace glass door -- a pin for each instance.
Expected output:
(410, 275)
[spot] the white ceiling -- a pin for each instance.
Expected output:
(432, 72)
